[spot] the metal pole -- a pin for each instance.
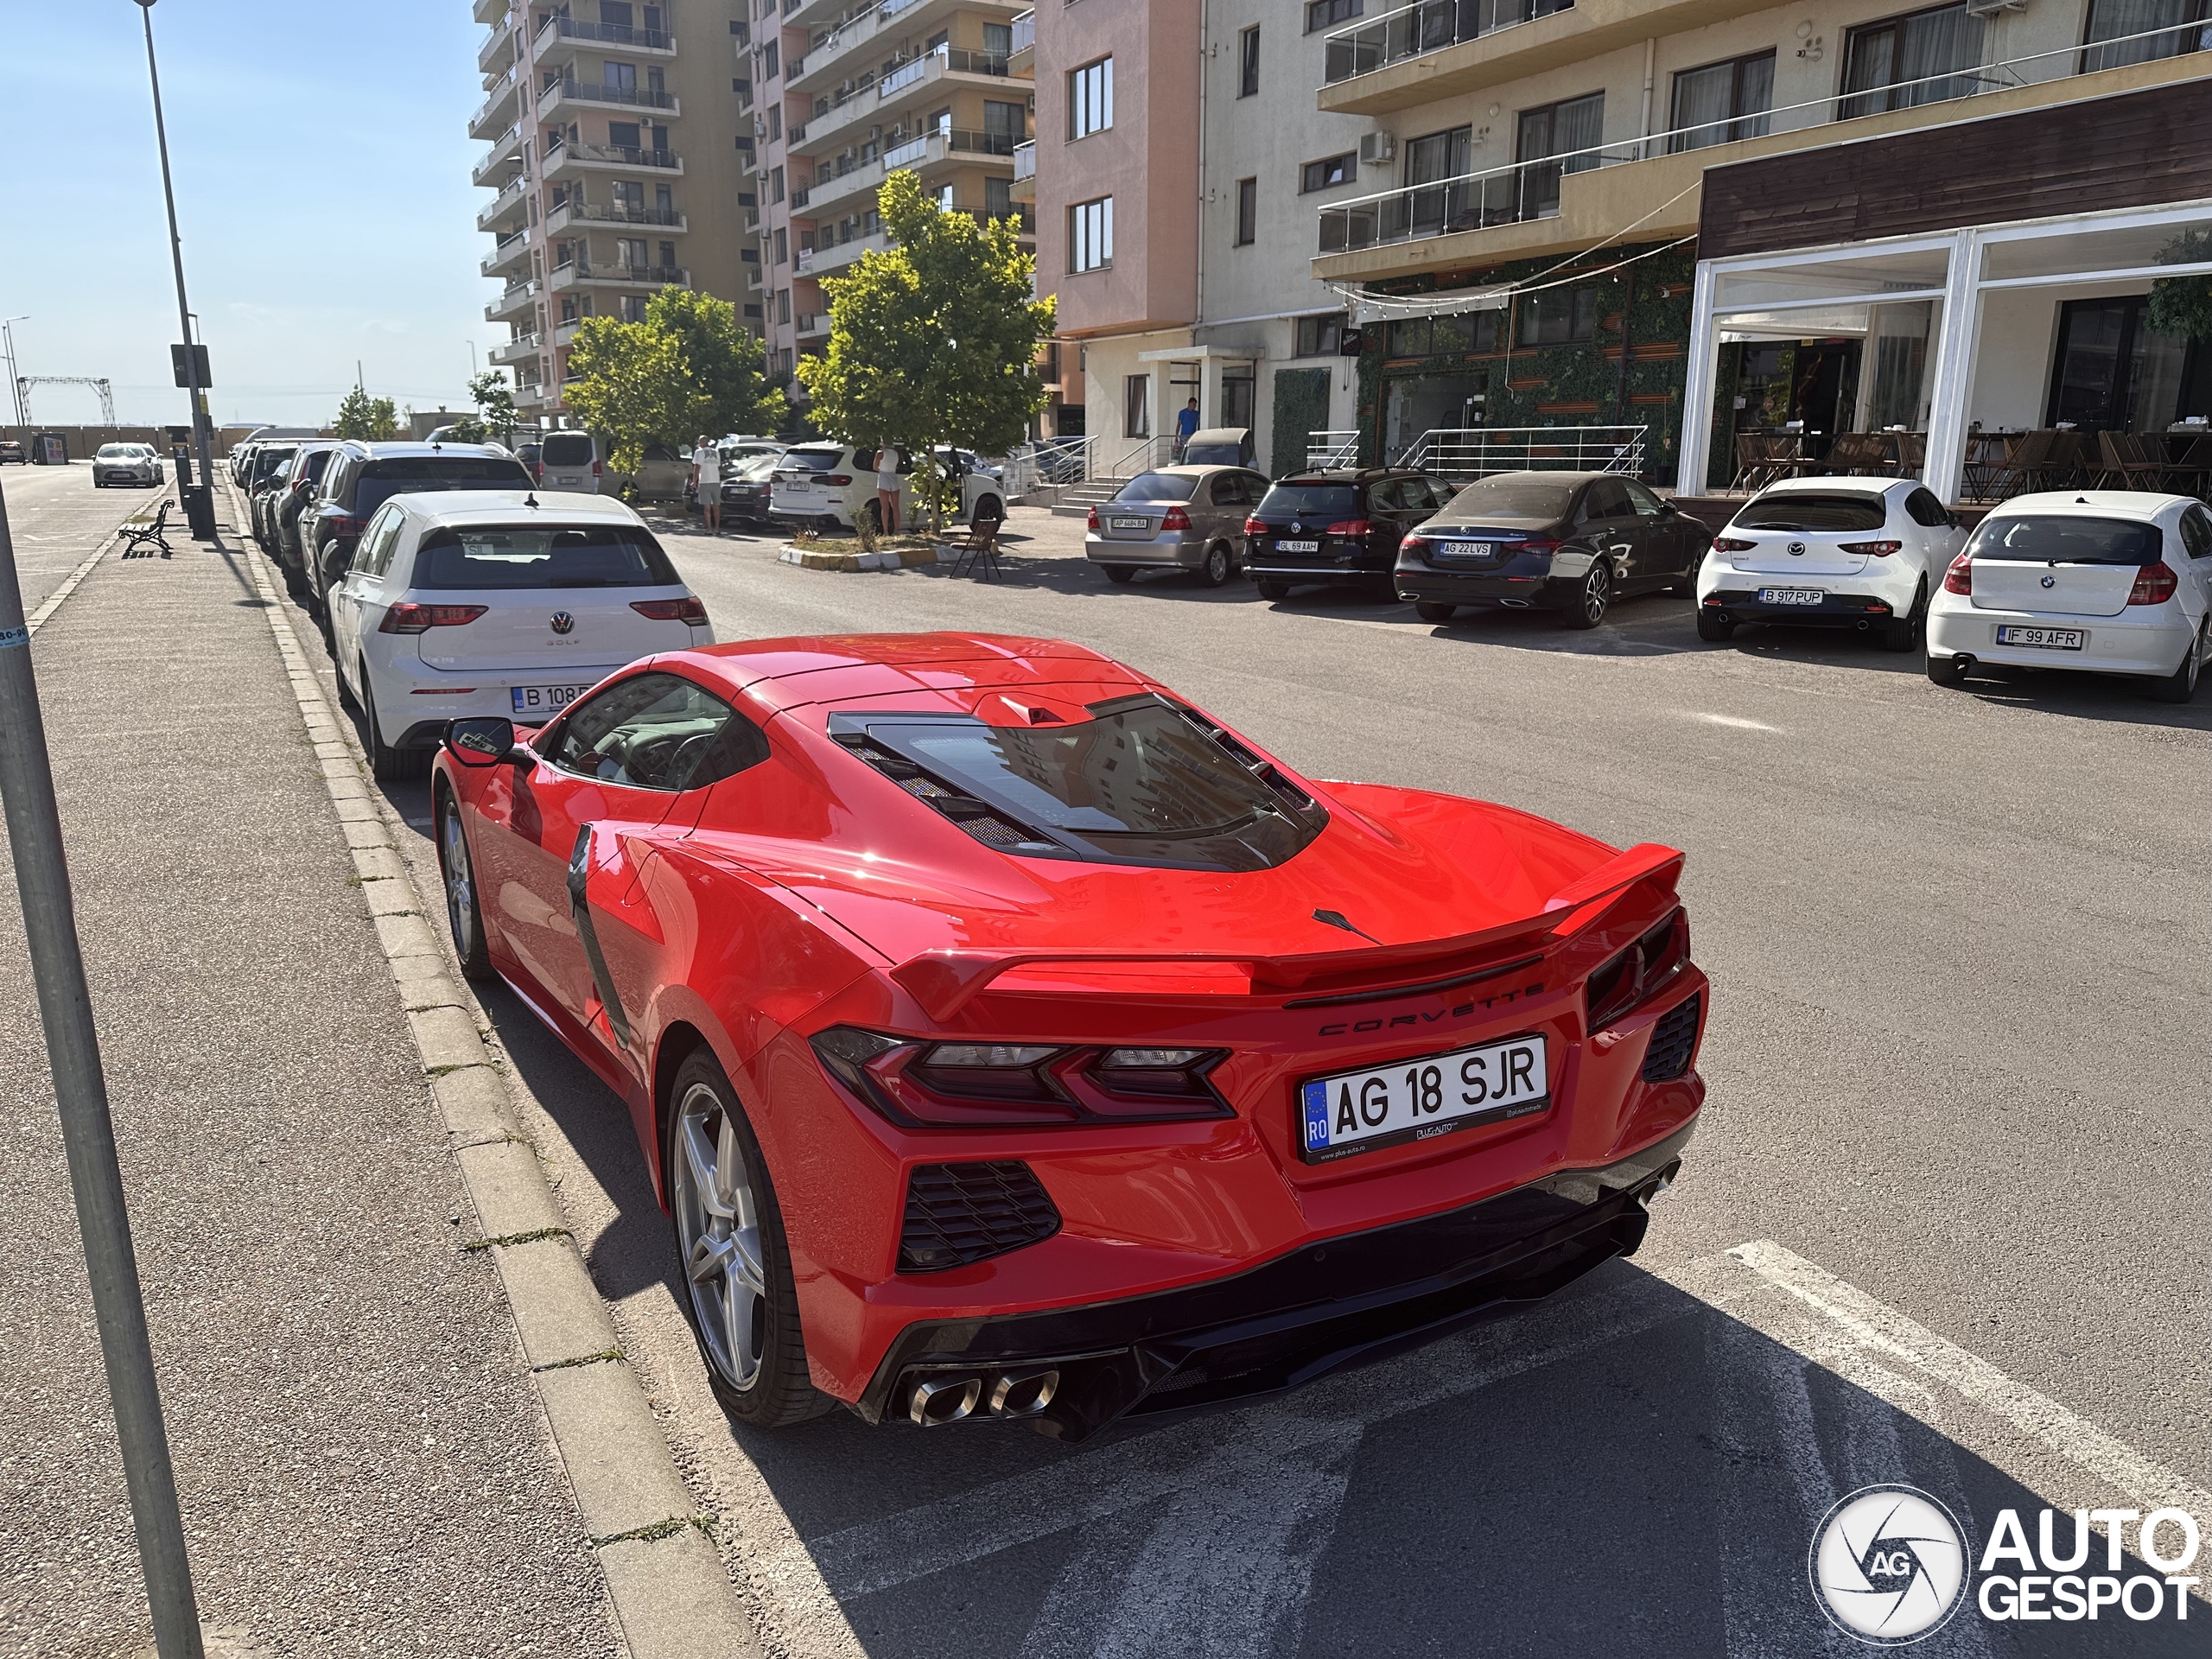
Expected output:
(87, 1131)
(7, 338)
(176, 256)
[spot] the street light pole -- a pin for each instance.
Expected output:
(183, 310)
(7, 339)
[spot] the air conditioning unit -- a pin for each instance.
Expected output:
(1375, 147)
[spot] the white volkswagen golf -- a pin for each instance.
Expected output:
(1860, 553)
(2109, 581)
(496, 602)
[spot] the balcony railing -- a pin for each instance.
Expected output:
(1325, 450)
(606, 213)
(509, 194)
(570, 28)
(578, 270)
(591, 92)
(1025, 31)
(1530, 189)
(613, 154)
(502, 89)
(1025, 159)
(1424, 27)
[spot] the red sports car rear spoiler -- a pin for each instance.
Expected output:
(944, 981)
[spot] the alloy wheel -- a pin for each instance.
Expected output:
(460, 883)
(1596, 588)
(718, 1230)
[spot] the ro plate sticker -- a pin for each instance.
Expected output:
(1316, 1097)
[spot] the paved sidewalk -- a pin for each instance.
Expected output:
(365, 1467)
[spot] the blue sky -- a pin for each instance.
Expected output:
(322, 160)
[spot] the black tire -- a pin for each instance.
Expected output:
(988, 507)
(2180, 686)
(1433, 610)
(779, 1393)
(1947, 671)
(1220, 565)
(1272, 590)
(1120, 575)
(1587, 608)
(346, 700)
(1715, 626)
(1902, 633)
(464, 914)
(387, 764)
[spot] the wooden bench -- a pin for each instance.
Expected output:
(140, 540)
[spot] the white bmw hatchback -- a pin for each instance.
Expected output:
(1860, 553)
(2109, 581)
(496, 602)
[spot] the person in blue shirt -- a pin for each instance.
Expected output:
(1185, 423)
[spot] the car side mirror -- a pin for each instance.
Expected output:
(1668, 509)
(481, 740)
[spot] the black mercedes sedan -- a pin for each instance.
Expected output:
(1572, 543)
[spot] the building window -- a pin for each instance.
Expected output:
(2110, 19)
(1909, 60)
(768, 62)
(775, 123)
(1559, 317)
(1248, 211)
(1136, 406)
(1326, 14)
(1091, 236)
(1239, 394)
(1328, 172)
(998, 197)
(633, 308)
(1572, 129)
(1248, 63)
(1322, 336)
(1462, 332)
(1091, 99)
(782, 305)
(775, 184)
(998, 40)
(1722, 102)
(783, 244)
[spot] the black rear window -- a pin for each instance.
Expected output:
(401, 475)
(542, 556)
(568, 449)
(1141, 782)
(1158, 487)
(2062, 540)
(1310, 501)
(814, 460)
(1511, 497)
(1817, 511)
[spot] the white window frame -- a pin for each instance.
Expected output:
(1090, 235)
(1091, 99)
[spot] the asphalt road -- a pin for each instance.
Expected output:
(1956, 1060)
(55, 517)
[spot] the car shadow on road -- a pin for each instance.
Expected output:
(2086, 696)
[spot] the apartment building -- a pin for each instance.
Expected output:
(848, 93)
(621, 161)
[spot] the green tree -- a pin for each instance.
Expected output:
(495, 410)
(2182, 305)
(933, 339)
(360, 416)
(687, 368)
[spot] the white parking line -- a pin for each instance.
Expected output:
(1735, 721)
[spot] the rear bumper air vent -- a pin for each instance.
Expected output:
(961, 1213)
(1672, 1041)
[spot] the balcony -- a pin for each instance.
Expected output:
(586, 94)
(571, 161)
(835, 52)
(922, 155)
(811, 325)
(491, 11)
(515, 300)
(1583, 198)
(506, 149)
(572, 212)
(834, 117)
(505, 207)
(822, 261)
(498, 108)
(581, 275)
(639, 42)
(521, 348)
(1023, 59)
(1025, 171)
(513, 249)
(497, 51)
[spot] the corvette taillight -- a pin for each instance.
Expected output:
(2154, 584)
(421, 619)
(1959, 579)
(1876, 549)
(916, 1083)
(1629, 977)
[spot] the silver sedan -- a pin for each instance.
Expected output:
(127, 464)
(1186, 517)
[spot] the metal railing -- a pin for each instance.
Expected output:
(583, 270)
(1024, 29)
(592, 91)
(1530, 188)
(1332, 449)
(619, 155)
(1025, 159)
(604, 213)
(1477, 451)
(1424, 27)
(500, 88)
(652, 39)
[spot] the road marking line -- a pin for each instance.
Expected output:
(1872, 1325)
(1733, 721)
(52, 600)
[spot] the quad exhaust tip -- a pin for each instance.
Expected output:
(936, 1401)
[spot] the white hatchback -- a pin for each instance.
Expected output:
(2108, 581)
(1860, 553)
(496, 602)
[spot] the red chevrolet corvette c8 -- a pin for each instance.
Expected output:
(1010, 1039)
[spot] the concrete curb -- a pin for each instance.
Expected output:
(672, 1595)
(885, 559)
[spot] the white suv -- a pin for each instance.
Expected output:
(1860, 553)
(2112, 581)
(481, 603)
(833, 486)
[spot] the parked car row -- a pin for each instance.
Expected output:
(2105, 580)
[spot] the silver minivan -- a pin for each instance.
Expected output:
(572, 460)
(1186, 517)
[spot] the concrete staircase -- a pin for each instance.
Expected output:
(1075, 500)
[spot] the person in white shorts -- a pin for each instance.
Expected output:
(888, 461)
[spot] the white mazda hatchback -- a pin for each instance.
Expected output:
(496, 602)
(2109, 581)
(1859, 553)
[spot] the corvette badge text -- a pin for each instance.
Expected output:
(1889, 1565)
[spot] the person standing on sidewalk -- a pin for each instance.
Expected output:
(1185, 423)
(703, 457)
(888, 462)
(710, 489)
